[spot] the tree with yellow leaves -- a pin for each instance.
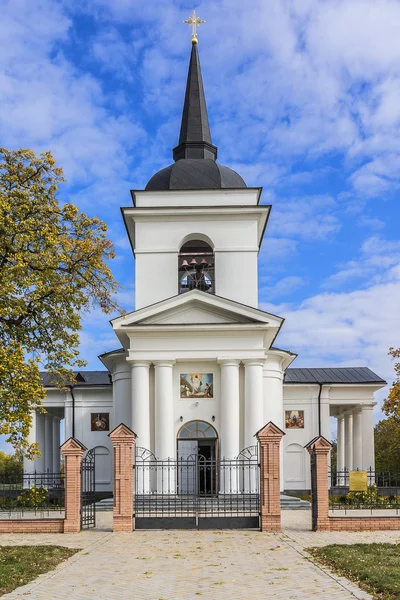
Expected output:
(53, 269)
(391, 406)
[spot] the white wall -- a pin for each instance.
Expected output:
(234, 238)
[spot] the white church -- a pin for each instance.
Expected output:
(198, 368)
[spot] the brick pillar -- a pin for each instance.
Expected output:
(269, 439)
(321, 447)
(123, 440)
(72, 451)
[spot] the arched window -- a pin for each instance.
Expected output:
(196, 430)
(196, 267)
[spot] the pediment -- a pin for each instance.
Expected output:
(194, 313)
(197, 308)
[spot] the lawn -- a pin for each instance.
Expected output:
(373, 567)
(21, 564)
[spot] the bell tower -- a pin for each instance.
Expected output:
(196, 225)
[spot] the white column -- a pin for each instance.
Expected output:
(230, 409)
(348, 440)
(56, 445)
(253, 412)
(122, 394)
(68, 416)
(357, 438)
(48, 456)
(340, 443)
(253, 400)
(31, 465)
(140, 402)
(229, 479)
(165, 443)
(368, 449)
(164, 410)
(273, 399)
(325, 413)
(40, 438)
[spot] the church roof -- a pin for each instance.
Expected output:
(332, 375)
(83, 378)
(195, 155)
(195, 135)
(342, 375)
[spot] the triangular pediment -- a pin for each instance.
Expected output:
(194, 313)
(197, 308)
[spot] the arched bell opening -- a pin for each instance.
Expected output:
(196, 267)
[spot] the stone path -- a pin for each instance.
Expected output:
(162, 565)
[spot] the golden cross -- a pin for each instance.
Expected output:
(194, 21)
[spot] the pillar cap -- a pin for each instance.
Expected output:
(122, 431)
(269, 430)
(72, 446)
(319, 443)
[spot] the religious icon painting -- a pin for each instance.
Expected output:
(294, 419)
(196, 385)
(100, 421)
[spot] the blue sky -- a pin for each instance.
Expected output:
(303, 99)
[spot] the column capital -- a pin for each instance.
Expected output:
(164, 363)
(140, 363)
(254, 362)
(229, 362)
(368, 405)
(340, 417)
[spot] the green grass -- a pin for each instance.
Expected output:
(21, 564)
(373, 567)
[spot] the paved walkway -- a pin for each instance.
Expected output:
(162, 565)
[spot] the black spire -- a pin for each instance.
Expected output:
(195, 137)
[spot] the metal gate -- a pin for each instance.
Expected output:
(197, 492)
(314, 490)
(88, 490)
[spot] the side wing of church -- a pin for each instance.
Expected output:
(197, 370)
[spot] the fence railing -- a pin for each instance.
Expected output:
(381, 491)
(32, 496)
(196, 487)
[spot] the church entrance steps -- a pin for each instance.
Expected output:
(287, 503)
(293, 503)
(105, 504)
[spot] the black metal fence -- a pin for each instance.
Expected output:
(32, 496)
(88, 490)
(382, 491)
(314, 490)
(196, 493)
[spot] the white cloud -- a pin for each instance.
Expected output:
(353, 328)
(48, 103)
(311, 217)
(283, 287)
(379, 261)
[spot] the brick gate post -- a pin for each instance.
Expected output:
(269, 439)
(321, 447)
(72, 451)
(123, 440)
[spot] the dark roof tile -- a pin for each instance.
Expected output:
(332, 375)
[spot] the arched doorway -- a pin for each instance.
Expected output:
(197, 458)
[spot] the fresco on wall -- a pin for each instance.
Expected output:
(294, 419)
(100, 421)
(196, 385)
